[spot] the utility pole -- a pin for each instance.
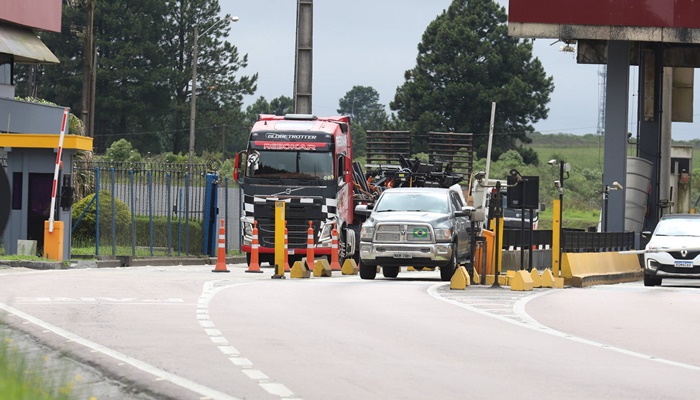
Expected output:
(88, 59)
(303, 66)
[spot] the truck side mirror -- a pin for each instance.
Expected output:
(236, 167)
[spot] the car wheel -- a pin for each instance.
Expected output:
(367, 271)
(448, 270)
(651, 280)
(390, 272)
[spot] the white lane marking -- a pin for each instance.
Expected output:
(138, 364)
(208, 292)
(531, 323)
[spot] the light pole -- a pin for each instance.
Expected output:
(193, 102)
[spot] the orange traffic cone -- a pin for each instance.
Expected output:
(335, 265)
(286, 248)
(254, 264)
(221, 251)
(310, 247)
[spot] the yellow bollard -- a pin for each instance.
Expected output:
(322, 268)
(53, 241)
(299, 271)
(279, 233)
(521, 281)
(536, 279)
(349, 267)
(547, 278)
(460, 279)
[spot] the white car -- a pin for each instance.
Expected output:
(673, 250)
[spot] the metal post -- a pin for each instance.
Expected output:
(97, 211)
(133, 211)
(170, 233)
(114, 219)
(561, 206)
(150, 210)
(193, 100)
(497, 212)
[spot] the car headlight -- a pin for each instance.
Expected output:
(443, 234)
(367, 232)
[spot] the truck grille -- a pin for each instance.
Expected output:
(414, 233)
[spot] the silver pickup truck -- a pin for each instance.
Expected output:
(418, 227)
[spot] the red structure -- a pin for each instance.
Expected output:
(646, 13)
(39, 14)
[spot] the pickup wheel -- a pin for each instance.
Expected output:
(390, 272)
(367, 271)
(448, 270)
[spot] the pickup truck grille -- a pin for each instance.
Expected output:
(404, 233)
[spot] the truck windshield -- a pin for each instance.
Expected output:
(290, 164)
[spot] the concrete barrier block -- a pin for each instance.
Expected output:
(299, 271)
(460, 279)
(477, 277)
(26, 248)
(536, 279)
(547, 278)
(522, 281)
(322, 268)
(349, 267)
(559, 283)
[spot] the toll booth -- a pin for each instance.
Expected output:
(31, 161)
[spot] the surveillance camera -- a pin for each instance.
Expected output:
(480, 175)
(617, 185)
(515, 174)
(557, 184)
(552, 162)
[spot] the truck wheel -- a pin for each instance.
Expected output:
(448, 270)
(367, 271)
(390, 272)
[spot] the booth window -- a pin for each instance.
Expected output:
(17, 191)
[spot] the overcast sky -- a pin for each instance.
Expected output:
(373, 42)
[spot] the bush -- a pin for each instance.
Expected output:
(86, 228)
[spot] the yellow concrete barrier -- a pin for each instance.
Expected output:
(322, 268)
(349, 267)
(460, 279)
(299, 271)
(477, 277)
(585, 269)
(521, 281)
(536, 279)
(547, 278)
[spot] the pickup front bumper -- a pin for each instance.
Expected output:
(395, 254)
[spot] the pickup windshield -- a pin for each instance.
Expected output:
(421, 202)
(290, 164)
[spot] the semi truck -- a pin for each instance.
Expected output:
(306, 162)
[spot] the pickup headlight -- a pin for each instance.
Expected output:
(367, 233)
(443, 234)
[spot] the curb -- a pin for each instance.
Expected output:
(119, 262)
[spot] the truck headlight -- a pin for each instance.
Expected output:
(247, 228)
(367, 233)
(443, 234)
(326, 232)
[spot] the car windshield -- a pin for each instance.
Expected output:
(405, 201)
(678, 227)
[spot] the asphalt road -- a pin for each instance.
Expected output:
(183, 332)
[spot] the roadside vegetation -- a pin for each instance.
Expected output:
(25, 378)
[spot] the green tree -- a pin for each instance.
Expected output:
(144, 70)
(122, 150)
(220, 87)
(466, 61)
(361, 103)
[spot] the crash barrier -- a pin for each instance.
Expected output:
(159, 207)
(221, 251)
(586, 269)
(573, 241)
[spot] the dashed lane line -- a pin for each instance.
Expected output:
(123, 358)
(210, 289)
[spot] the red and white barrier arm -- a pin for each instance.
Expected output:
(57, 167)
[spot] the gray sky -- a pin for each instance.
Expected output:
(373, 42)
